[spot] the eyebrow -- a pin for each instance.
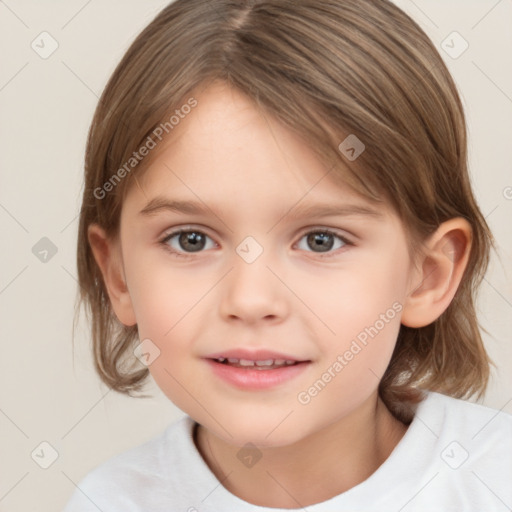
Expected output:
(161, 204)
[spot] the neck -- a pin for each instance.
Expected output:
(314, 469)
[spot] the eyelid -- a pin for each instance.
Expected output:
(317, 228)
(172, 232)
(169, 232)
(344, 235)
(347, 242)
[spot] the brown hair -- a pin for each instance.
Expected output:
(327, 69)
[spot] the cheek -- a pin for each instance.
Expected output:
(358, 320)
(350, 300)
(169, 308)
(353, 366)
(163, 297)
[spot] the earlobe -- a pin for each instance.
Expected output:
(107, 254)
(439, 273)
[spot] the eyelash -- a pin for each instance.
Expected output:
(186, 255)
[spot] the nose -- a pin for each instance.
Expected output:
(252, 294)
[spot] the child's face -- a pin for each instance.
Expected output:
(300, 297)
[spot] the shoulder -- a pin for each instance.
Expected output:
(136, 476)
(455, 455)
(465, 419)
(471, 450)
(468, 427)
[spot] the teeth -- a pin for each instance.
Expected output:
(268, 362)
(249, 362)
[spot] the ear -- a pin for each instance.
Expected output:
(107, 253)
(439, 273)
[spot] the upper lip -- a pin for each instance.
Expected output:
(253, 355)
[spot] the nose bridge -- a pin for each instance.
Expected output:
(252, 292)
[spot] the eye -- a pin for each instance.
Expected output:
(322, 241)
(187, 241)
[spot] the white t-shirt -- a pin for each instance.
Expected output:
(455, 456)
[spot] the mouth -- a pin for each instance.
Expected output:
(255, 370)
(262, 364)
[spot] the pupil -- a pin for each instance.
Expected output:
(324, 241)
(192, 241)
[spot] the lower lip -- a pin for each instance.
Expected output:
(256, 379)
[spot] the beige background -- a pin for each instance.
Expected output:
(49, 394)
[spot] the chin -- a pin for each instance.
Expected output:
(269, 432)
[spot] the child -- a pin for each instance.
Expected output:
(321, 378)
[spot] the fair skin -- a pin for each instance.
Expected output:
(255, 175)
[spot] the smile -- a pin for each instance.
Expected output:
(266, 364)
(258, 374)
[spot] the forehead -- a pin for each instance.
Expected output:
(226, 149)
(227, 132)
